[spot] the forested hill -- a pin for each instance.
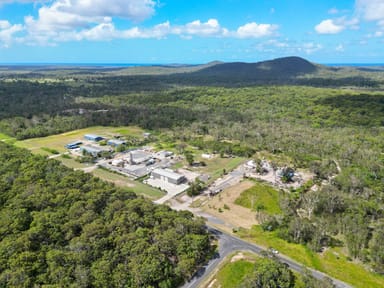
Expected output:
(65, 228)
(286, 70)
(281, 68)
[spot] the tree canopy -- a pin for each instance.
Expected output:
(65, 228)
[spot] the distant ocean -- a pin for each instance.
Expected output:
(354, 64)
(122, 65)
(106, 65)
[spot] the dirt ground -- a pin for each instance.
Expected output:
(233, 214)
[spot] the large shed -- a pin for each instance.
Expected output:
(73, 145)
(92, 137)
(168, 175)
(116, 142)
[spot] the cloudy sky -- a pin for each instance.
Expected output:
(194, 31)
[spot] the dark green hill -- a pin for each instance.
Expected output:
(281, 68)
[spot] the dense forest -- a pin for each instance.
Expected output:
(65, 228)
(328, 121)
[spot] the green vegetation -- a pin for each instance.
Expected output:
(58, 141)
(65, 228)
(124, 182)
(260, 197)
(232, 273)
(6, 138)
(329, 121)
(333, 261)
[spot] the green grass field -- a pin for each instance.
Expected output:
(216, 165)
(124, 182)
(333, 262)
(260, 197)
(59, 141)
(232, 273)
(72, 163)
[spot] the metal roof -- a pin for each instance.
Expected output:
(167, 173)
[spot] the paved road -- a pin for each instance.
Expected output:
(229, 243)
(232, 178)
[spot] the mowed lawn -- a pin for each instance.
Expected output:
(260, 197)
(216, 166)
(58, 142)
(125, 182)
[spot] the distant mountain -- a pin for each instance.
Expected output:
(280, 68)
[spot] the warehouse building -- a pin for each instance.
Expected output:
(168, 176)
(92, 137)
(116, 142)
(73, 145)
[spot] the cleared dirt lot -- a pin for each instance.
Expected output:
(222, 206)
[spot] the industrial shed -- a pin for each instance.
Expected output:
(168, 175)
(116, 142)
(73, 145)
(92, 137)
(94, 151)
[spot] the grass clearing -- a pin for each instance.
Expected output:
(58, 142)
(260, 197)
(216, 165)
(231, 270)
(72, 163)
(124, 182)
(333, 262)
(232, 273)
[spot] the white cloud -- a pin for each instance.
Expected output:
(71, 14)
(328, 27)
(7, 32)
(209, 28)
(136, 10)
(371, 10)
(254, 30)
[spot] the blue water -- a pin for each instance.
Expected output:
(354, 64)
(123, 65)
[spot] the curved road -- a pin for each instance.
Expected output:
(229, 243)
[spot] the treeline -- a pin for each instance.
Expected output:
(66, 228)
(296, 106)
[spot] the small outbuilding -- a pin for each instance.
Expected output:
(92, 137)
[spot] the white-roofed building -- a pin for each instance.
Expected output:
(168, 175)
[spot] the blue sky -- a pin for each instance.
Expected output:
(178, 31)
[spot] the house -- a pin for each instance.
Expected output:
(73, 145)
(92, 137)
(169, 176)
(116, 142)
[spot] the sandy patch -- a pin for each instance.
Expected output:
(122, 183)
(237, 257)
(223, 207)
